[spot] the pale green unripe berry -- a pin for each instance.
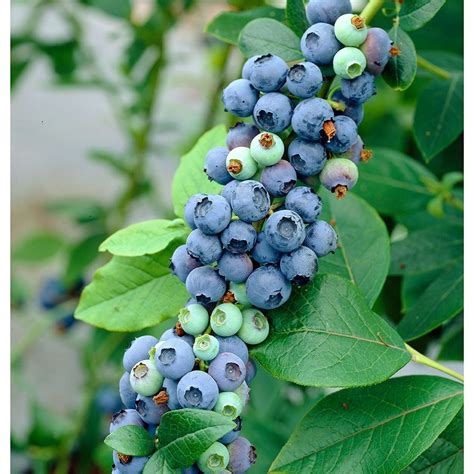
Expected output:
(350, 30)
(244, 393)
(214, 459)
(206, 347)
(358, 5)
(255, 327)
(226, 319)
(229, 404)
(267, 149)
(145, 378)
(240, 163)
(240, 293)
(349, 63)
(194, 319)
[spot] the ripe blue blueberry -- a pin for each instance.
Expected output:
(197, 389)
(360, 89)
(138, 350)
(214, 459)
(127, 394)
(309, 118)
(206, 248)
(251, 201)
(125, 418)
(228, 370)
(191, 470)
(107, 400)
(240, 163)
(145, 378)
(182, 263)
(126, 464)
(229, 404)
(242, 455)
(319, 44)
(189, 209)
(255, 328)
(212, 214)
(267, 288)
(350, 30)
(248, 66)
(234, 434)
(241, 134)
(234, 345)
(52, 293)
(263, 252)
(327, 11)
(170, 333)
(251, 368)
(305, 202)
(376, 49)
(239, 237)
(304, 80)
(174, 358)
(267, 149)
(205, 285)
(228, 190)
(349, 63)
(268, 73)
(307, 157)
(284, 230)
(239, 293)
(235, 267)
(321, 238)
(279, 179)
(169, 394)
(339, 175)
(206, 347)
(345, 136)
(150, 409)
(357, 152)
(194, 319)
(273, 112)
(353, 111)
(240, 97)
(226, 319)
(299, 266)
(215, 166)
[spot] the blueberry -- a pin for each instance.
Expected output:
(152, 430)
(191, 470)
(305, 202)
(206, 347)
(235, 267)
(345, 136)
(353, 111)
(248, 66)
(189, 209)
(150, 409)
(126, 464)
(125, 418)
(215, 166)
(327, 11)
(127, 394)
(240, 163)
(309, 118)
(174, 358)
(212, 214)
(138, 350)
(52, 293)
(234, 434)
(145, 378)
(239, 237)
(267, 149)
(304, 80)
(273, 112)
(358, 90)
(108, 401)
(214, 459)
(229, 404)
(350, 30)
(299, 266)
(339, 175)
(263, 252)
(228, 370)
(321, 238)
(194, 319)
(242, 455)
(170, 388)
(319, 44)
(206, 248)
(234, 345)
(267, 288)
(357, 152)
(171, 333)
(349, 63)
(226, 319)
(251, 201)
(255, 326)
(228, 190)
(279, 179)
(239, 293)
(268, 73)
(182, 263)
(205, 285)
(284, 230)
(197, 390)
(307, 157)
(240, 97)
(241, 134)
(376, 49)
(251, 368)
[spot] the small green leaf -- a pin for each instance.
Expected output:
(117, 162)
(117, 8)
(400, 71)
(144, 238)
(265, 36)
(158, 464)
(452, 340)
(416, 13)
(439, 116)
(372, 429)
(81, 211)
(326, 336)
(132, 440)
(37, 247)
(363, 254)
(296, 16)
(189, 178)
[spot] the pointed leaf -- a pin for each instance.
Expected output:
(296, 16)
(132, 440)
(416, 13)
(37, 247)
(159, 464)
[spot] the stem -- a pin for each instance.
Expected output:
(422, 359)
(371, 9)
(430, 67)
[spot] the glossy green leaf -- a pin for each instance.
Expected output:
(392, 182)
(144, 238)
(363, 254)
(296, 16)
(413, 286)
(264, 36)
(159, 464)
(132, 440)
(452, 340)
(447, 60)
(379, 429)
(37, 247)
(439, 116)
(189, 178)
(327, 336)
(400, 71)
(416, 13)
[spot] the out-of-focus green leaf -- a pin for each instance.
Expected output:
(37, 247)
(82, 211)
(62, 56)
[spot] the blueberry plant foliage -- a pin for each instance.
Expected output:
(312, 313)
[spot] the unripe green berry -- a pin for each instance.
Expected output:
(255, 327)
(214, 459)
(229, 404)
(267, 149)
(339, 175)
(226, 319)
(206, 347)
(145, 378)
(194, 319)
(349, 63)
(244, 393)
(350, 30)
(240, 293)
(240, 163)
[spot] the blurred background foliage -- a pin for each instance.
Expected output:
(157, 79)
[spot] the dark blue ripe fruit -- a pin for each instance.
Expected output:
(240, 97)
(235, 267)
(299, 266)
(309, 118)
(285, 230)
(138, 350)
(242, 455)
(205, 285)
(125, 418)
(273, 112)
(234, 345)
(305, 202)
(212, 214)
(241, 134)
(251, 201)
(239, 237)
(228, 190)
(321, 238)
(319, 44)
(263, 252)
(358, 90)
(174, 358)
(353, 111)
(189, 209)
(126, 464)
(150, 409)
(206, 248)
(197, 390)
(327, 11)
(228, 370)
(345, 136)
(182, 263)
(307, 157)
(215, 165)
(268, 73)
(279, 179)
(304, 80)
(127, 394)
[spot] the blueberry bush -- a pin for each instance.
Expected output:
(315, 250)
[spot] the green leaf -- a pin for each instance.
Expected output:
(440, 302)
(296, 16)
(400, 71)
(439, 116)
(228, 25)
(159, 464)
(82, 211)
(372, 429)
(446, 454)
(117, 8)
(264, 36)
(62, 56)
(326, 336)
(189, 178)
(363, 254)
(132, 293)
(117, 162)
(37, 247)
(132, 440)
(416, 13)
(413, 286)
(447, 60)
(392, 182)
(144, 238)
(452, 340)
